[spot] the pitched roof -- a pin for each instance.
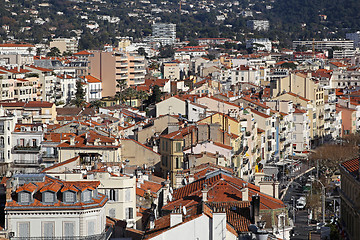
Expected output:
(352, 166)
(61, 164)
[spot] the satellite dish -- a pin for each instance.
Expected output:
(170, 197)
(109, 169)
(171, 190)
(185, 181)
(184, 210)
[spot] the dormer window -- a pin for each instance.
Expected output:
(86, 196)
(48, 197)
(24, 197)
(69, 197)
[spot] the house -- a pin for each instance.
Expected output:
(119, 188)
(26, 140)
(172, 106)
(40, 206)
(349, 194)
(218, 194)
(91, 147)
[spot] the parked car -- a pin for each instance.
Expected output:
(300, 205)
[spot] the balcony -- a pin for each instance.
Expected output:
(27, 162)
(104, 236)
(282, 139)
(269, 137)
(26, 149)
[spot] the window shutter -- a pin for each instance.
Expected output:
(107, 193)
(127, 195)
(48, 229)
(127, 213)
(91, 228)
(68, 229)
(116, 195)
(24, 229)
(130, 213)
(112, 212)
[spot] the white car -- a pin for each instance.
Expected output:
(300, 205)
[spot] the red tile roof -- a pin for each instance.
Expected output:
(352, 166)
(55, 185)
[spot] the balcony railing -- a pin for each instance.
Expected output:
(29, 149)
(27, 162)
(103, 236)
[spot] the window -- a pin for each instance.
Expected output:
(112, 194)
(127, 195)
(24, 197)
(90, 228)
(129, 213)
(178, 147)
(34, 143)
(68, 229)
(69, 197)
(178, 162)
(112, 212)
(86, 196)
(24, 229)
(2, 141)
(48, 197)
(48, 229)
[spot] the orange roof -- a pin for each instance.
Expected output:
(40, 68)
(56, 185)
(91, 79)
(298, 96)
(16, 45)
(352, 166)
(84, 52)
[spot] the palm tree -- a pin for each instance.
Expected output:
(143, 96)
(96, 104)
(121, 85)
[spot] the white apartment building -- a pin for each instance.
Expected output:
(40, 206)
(7, 125)
(65, 88)
(165, 33)
(65, 44)
(324, 44)
(92, 88)
(26, 139)
(354, 37)
(245, 74)
(258, 25)
(259, 44)
(17, 49)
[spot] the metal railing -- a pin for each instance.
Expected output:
(104, 236)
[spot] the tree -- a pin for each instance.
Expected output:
(121, 85)
(96, 104)
(330, 156)
(156, 95)
(79, 100)
(166, 52)
(54, 52)
(141, 51)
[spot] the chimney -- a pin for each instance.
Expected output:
(175, 217)
(258, 177)
(255, 209)
(72, 140)
(8, 190)
(245, 194)
(204, 192)
(97, 141)
(152, 221)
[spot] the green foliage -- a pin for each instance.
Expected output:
(79, 100)
(166, 52)
(141, 51)
(54, 52)
(156, 95)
